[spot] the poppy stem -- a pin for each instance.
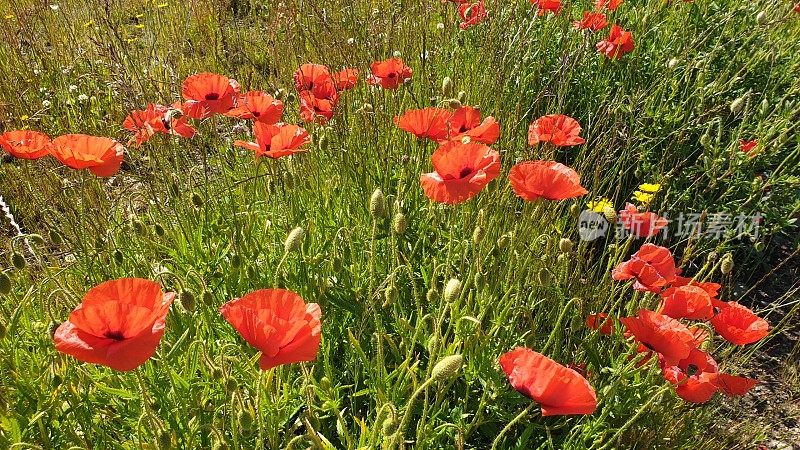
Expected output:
(511, 424)
(632, 420)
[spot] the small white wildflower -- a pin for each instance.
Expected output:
(83, 97)
(397, 54)
(36, 71)
(54, 7)
(46, 104)
(440, 26)
(351, 41)
(73, 88)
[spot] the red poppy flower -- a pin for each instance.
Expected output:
(558, 129)
(471, 14)
(594, 21)
(25, 144)
(102, 156)
(258, 106)
(738, 325)
(747, 146)
(687, 302)
(207, 94)
(316, 109)
(345, 79)
(694, 377)
(547, 5)
(661, 334)
(618, 43)
(532, 180)
(641, 224)
(796, 8)
(156, 119)
(431, 123)
(559, 389)
(316, 78)
(711, 288)
(389, 74)
(732, 385)
(610, 4)
(461, 171)
(275, 141)
(466, 122)
(652, 267)
(600, 322)
(278, 323)
(118, 324)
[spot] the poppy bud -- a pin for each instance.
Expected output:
(399, 224)
(290, 97)
(389, 425)
(432, 295)
(251, 272)
(761, 18)
(543, 276)
(377, 204)
(164, 439)
(118, 256)
(55, 237)
(575, 210)
(565, 245)
(367, 108)
(452, 290)
(610, 214)
(236, 261)
(764, 109)
(216, 373)
(478, 235)
(207, 297)
(5, 284)
(736, 105)
(245, 420)
(280, 93)
(188, 300)
(672, 63)
(454, 103)
(726, 266)
(158, 230)
(461, 96)
(51, 329)
(288, 180)
(231, 385)
(197, 200)
(36, 239)
(561, 258)
(390, 295)
(323, 142)
(759, 246)
(325, 383)
(712, 256)
(503, 241)
(705, 141)
(2, 330)
(447, 367)
(138, 227)
(293, 240)
(18, 261)
(447, 87)
(479, 280)
(220, 445)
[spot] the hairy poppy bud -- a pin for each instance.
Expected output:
(447, 367)
(610, 214)
(36, 239)
(138, 227)
(454, 103)
(575, 210)
(452, 290)
(672, 63)
(447, 87)
(480, 280)
(503, 241)
(216, 373)
(432, 295)
(764, 108)
(390, 295)
(761, 18)
(705, 141)
(55, 237)
(245, 420)
(399, 224)
(389, 425)
(293, 240)
(208, 298)
(736, 105)
(561, 258)
(543, 276)
(18, 261)
(726, 266)
(288, 180)
(461, 96)
(712, 257)
(325, 383)
(164, 439)
(231, 385)
(158, 229)
(197, 200)
(397, 54)
(236, 261)
(565, 245)
(188, 300)
(118, 256)
(367, 107)
(323, 142)
(5, 284)
(478, 234)
(759, 246)
(377, 204)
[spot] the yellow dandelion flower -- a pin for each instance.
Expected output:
(599, 205)
(8, 16)
(24, 117)
(140, 26)
(643, 197)
(650, 187)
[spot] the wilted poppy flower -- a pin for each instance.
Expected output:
(694, 377)
(207, 94)
(747, 146)
(610, 4)
(431, 123)
(471, 14)
(558, 129)
(275, 141)
(641, 224)
(618, 43)
(547, 5)
(25, 144)
(687, 302)
(461, 171)
(389, 74)
(738, 325)
(345, 79)
(118, 324)
(258, 106)
(732, 385)
(102, 156)
(466, 122)
(661, 334)
(600, 322)
(532, 180)
(278, 323)
(560, 390)
(316, 109)
(156, 119)
(594, 21)
(652, 267)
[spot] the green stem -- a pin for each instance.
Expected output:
(511, 424)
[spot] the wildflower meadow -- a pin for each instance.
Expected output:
(433, 224)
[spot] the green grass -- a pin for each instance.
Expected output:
(644, 122)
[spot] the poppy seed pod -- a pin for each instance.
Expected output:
(761, 18)
(377, 204)
(18, 261)
(737, 105)
(293, 240)
(399, 224)
(447, 367)
(565, 245)
(726, 265)
(452, 290)
(447, 87)
(5, 284)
